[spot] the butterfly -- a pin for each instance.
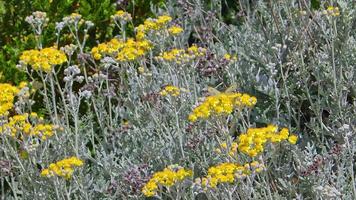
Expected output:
(232, 88)
(212, 91)
(36, 85)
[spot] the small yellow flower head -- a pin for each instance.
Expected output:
(152, 26)
(332, 11)
(260, 169)
(181, 56)
(227, 56)
(170, 55)
(23, 84)
(217, 150)
(292, 139)
(46, 172)
(175, 30)
(170, 176)
(284, 133)
(254, 164)
(163, 20)
(33, 115)
(230, 57)
(121, 15)
(170, 90)
(44, 59)
(223, 145)
(197, 51)
(63, 168)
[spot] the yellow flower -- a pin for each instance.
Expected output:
(192, 118)
(223, 145)
(167, 178)
(170, 90)
(19, 125)
(152, 26)
(164, 19)
(180, 56)
(44, 59)
(229, 57)
(63, 168)
(149, 189)
(175, 30)
(7, 96)
(222, 104)
(333, 11)
(122, 50)
(122, 15)
(292, 139)
(284, 133)
(253, 141)
(226, 173)
(259, 169)
(45, 172)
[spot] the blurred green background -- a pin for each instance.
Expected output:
(16, 35)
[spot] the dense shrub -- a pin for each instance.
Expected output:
(201, 100)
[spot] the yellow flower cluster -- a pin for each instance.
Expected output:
(122, 50)
(180, 56)
(152, 25)
(168, 177)
(19, 125)
(44, 59)
(332, 11)
(175, 30)
(133, 49)
(7, 96)
(122, 16)
(253, 141)
(63, 168)
(228, 173)
(171, 55)
(222, 103)
(170, 90)
(230, 57)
